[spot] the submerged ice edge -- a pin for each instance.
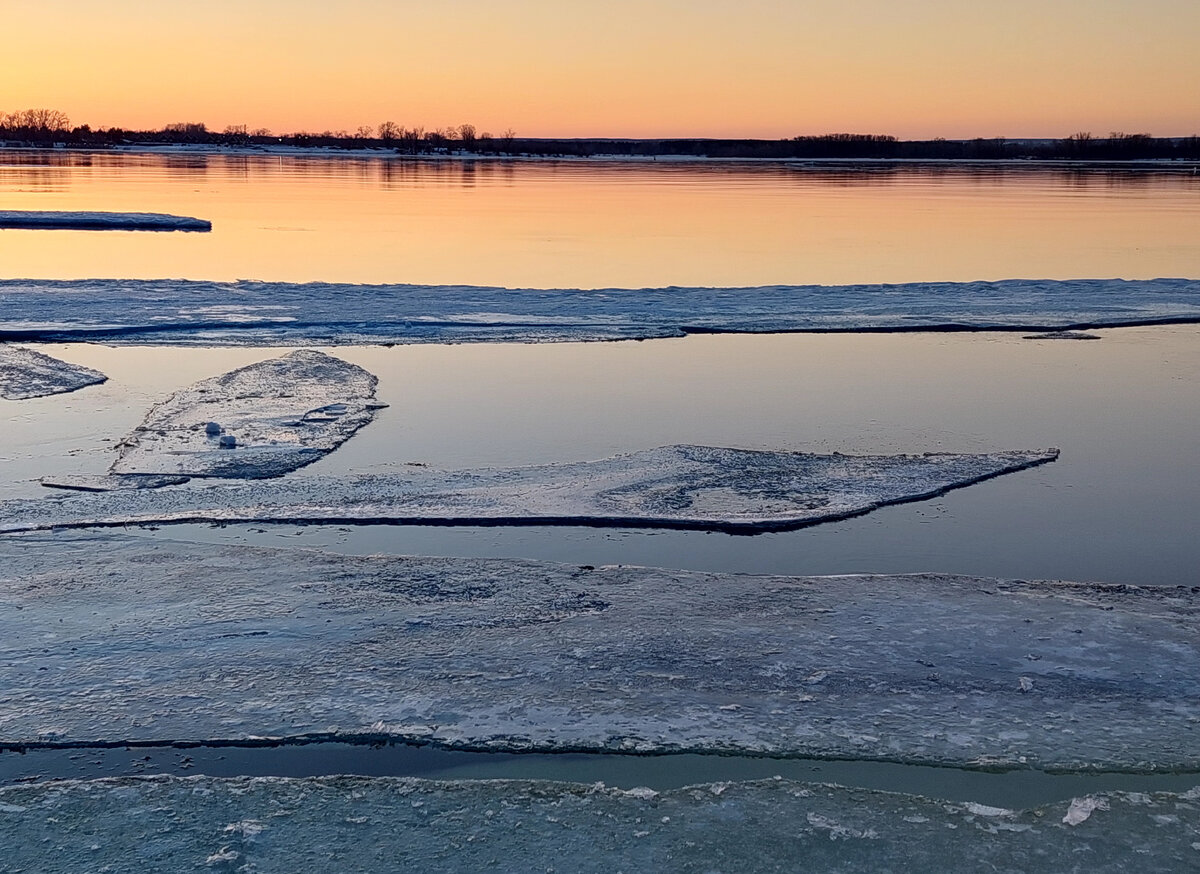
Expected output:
(252, 313)
(117, 640)
(680, 487)
(99, 221)
(385, 824)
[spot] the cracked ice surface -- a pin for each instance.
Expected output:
(277, 313)
(111, 639)
(363, 824)
(284, 413)
(25, 373)
(100, 221)
(669, 487)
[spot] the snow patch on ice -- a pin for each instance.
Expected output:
(26, 373)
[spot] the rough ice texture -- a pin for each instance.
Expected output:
(696, 487)
(100, 221)
(361, 824)
(115, 639)
(25, 374)
(284, 413)
(251, 313)
(112, 482)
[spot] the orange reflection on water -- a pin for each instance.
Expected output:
(593, 225)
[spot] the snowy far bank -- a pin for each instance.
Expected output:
(25, 373)
(30, 219)
(277, 313)
(696, 487)
(109, 640)
(381, 824)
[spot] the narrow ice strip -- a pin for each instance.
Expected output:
(696, 487)
(99, 221)
(250, 313)
(115, 640)
(381, 824)
(25, 373)
(262, 420)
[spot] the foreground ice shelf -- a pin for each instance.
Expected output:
(115, 639)
(25, 373)
(30, 219)
(361, 824)
(698, 487)
(278, 313)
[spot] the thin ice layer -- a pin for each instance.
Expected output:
(99, 221)
(254, 313)
(670, 487)
(113, 640)
(25, 373)
(280, 414)
(363, 824)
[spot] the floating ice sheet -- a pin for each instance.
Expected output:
(253, 313)
(363, 824)
(111, 639)
(100, 221)
(25, 373)
(695, 487)
(279, 415)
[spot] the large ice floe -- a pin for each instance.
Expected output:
(117, 639)
(262, 420)
(697, 487)
(26, 373)
(99, 221)
(252, 313)
(362, 824)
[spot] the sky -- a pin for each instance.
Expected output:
(636, 68)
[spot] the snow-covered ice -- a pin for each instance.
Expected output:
(696, 487)
(113, 639)
(380, 824)
(283, 413)
(26, 373)
(255, 313)
(99, 221)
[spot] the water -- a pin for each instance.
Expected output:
(1119, 506)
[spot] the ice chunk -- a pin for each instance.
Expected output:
(257, 313)
(277, 415)
(670, 487)
(112, 482)
(25, 374)
(112, 639)
(99, 221)
(381, 824)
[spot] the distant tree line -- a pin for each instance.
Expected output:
(42, 127)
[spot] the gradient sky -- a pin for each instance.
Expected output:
(757, 68)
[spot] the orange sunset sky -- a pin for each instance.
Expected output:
(756, 68)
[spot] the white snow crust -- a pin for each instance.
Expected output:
(276, 313)
(365, 825)
(283, 413)
(696, 487)
(117, 639)
(99, 221)
(26, 373)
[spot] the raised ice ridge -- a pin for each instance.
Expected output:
(364, 825)
(116, 640)
(99, 221)
(281, 414)
(694, 487)
(26, 373)
(255, 313)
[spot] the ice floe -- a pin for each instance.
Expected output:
(252, 313)
(99, 221)
(381, 824)
(114, 639)
(696, 487)
(26, 373)
(262, 420)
